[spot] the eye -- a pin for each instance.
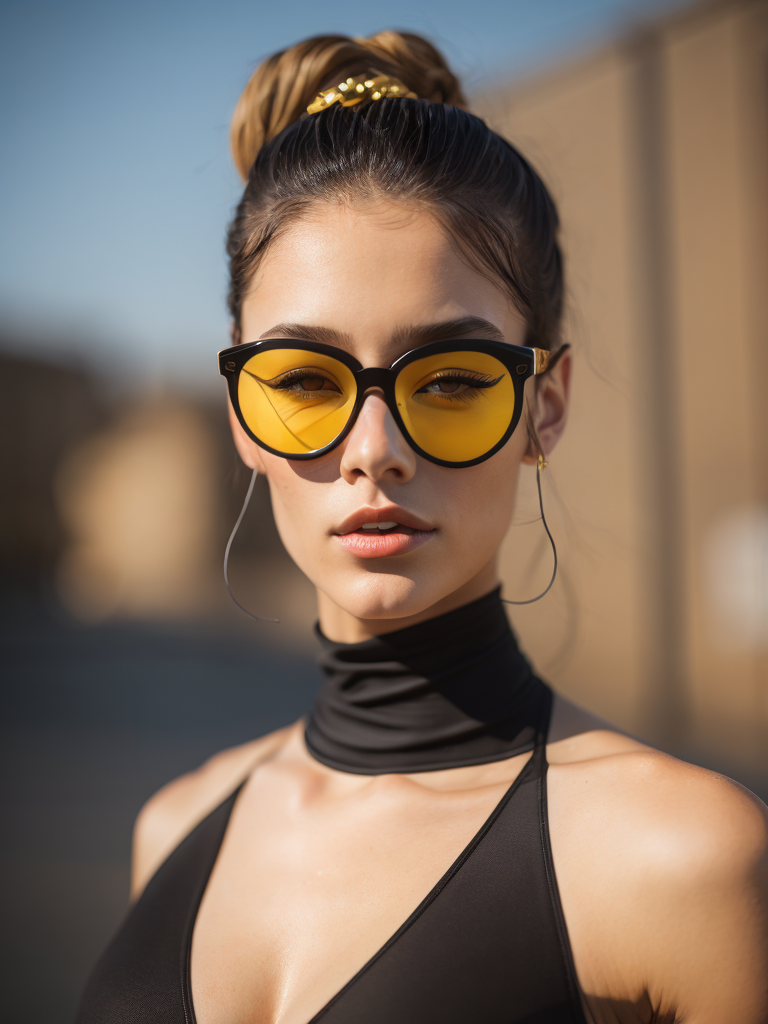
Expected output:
(303, 382)
(458, 385)
(310, 384)
(444, 386)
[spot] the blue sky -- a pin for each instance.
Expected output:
(115, 179)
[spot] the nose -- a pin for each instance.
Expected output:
(375, 448)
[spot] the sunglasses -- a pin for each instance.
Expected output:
(455, 402)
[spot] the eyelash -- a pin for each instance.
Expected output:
(475, 385)
(291, 377)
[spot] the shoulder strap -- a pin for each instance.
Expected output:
(566, 953)
(538, 761)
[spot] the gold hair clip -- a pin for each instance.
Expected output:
(355, 90)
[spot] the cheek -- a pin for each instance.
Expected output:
(289, 493)
(481, 498)
(481, 502)
(302, 503)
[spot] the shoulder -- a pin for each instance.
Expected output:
(670, 813)
(175, 809)
(646, 790)
(663, 867)
(602, 773)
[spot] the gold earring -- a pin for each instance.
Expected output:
(542, 463)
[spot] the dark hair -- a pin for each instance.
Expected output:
(426, 152)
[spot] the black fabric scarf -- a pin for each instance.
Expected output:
(453, 691)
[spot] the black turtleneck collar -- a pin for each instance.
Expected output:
(452, 691)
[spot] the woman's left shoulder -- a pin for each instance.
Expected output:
(663, 872)
(700, 815)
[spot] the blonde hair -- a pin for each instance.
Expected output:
(282, 87)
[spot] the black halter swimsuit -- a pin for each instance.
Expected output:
(488, 944)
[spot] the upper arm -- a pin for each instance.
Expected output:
(174, 810)
(711, 951)
(663, 872)
(160, 825)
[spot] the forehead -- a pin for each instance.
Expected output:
(370, 273)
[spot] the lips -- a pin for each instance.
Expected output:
(381, 532)
(385, 514)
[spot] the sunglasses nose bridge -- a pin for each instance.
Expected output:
(373, 377)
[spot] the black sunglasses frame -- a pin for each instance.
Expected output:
(521, 363)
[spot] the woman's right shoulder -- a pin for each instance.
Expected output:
(168, 816)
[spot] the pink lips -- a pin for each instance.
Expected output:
(410, 533)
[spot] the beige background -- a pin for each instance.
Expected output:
(656, 149)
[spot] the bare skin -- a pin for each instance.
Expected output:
(662, 867)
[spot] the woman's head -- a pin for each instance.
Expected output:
(378, 228)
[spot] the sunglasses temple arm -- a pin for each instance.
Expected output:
(551, 361)
(229, 545)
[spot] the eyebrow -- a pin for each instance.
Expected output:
(306, 332)
(462, 327)
(420, 334)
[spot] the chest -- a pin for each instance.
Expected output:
(389, 910)
(306, 892)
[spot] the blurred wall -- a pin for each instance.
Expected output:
(656, 149)
(147, 504)
(46, 408)
(139, 504)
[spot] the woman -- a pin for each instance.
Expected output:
(441, 839)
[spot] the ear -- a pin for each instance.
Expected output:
(548, 403)
(247, 449)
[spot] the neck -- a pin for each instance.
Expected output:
(448, 692)
(342, 626)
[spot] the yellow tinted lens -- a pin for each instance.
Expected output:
(456, 406)
(295, 401)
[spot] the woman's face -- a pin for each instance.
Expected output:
(377, 281)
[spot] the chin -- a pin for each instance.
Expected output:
(382, 595)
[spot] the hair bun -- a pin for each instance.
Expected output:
(282, 87)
